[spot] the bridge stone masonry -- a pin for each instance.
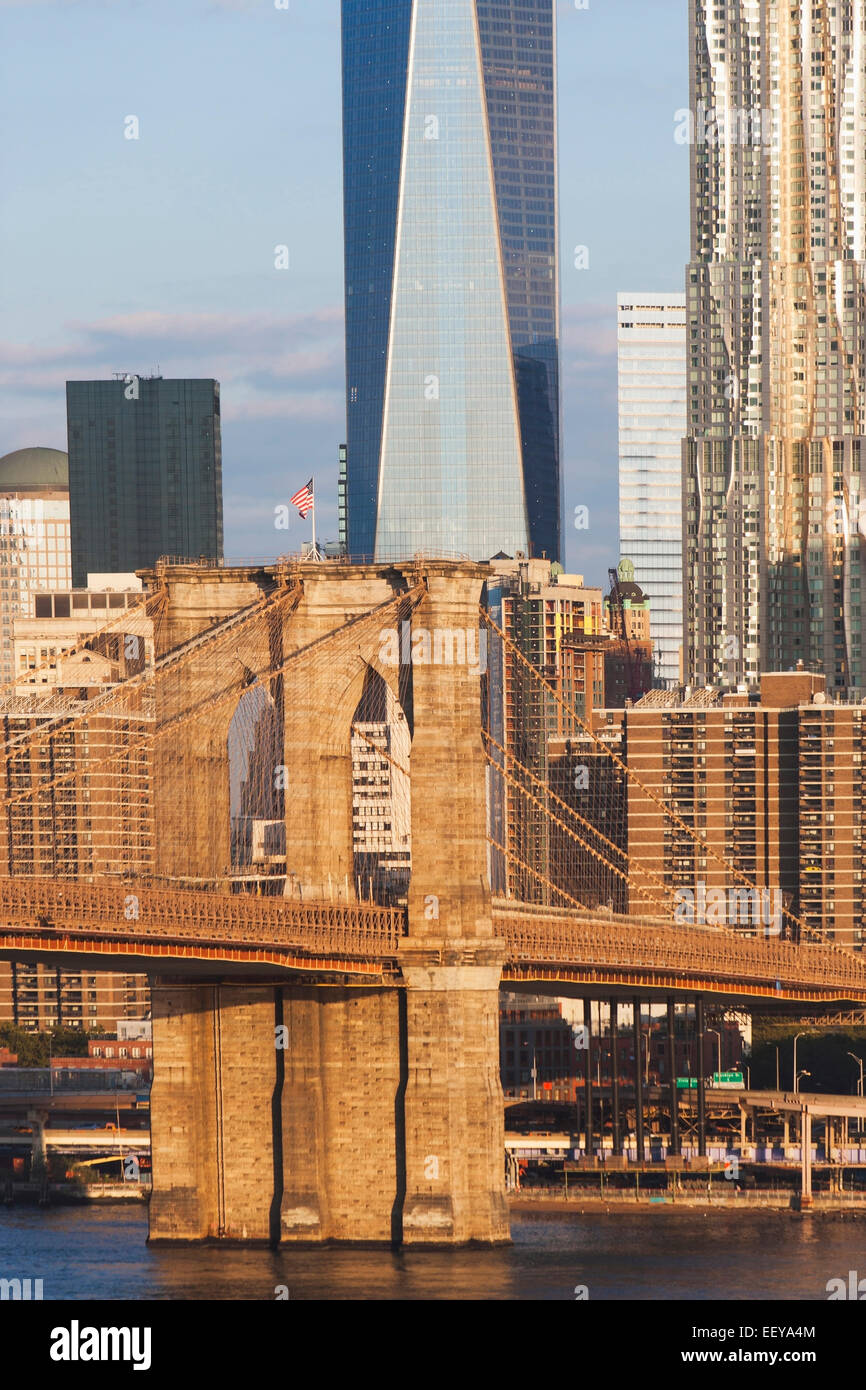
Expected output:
(326, 1065)
(381, 1117)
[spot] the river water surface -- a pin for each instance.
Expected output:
(100, 1253)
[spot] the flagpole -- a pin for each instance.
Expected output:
(315, 547)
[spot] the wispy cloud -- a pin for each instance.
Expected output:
(283, 405)
(57, 4)
(290, 365)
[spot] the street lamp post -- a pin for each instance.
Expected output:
(796, 1036)
(859, 1061)
(797, 1079)
(719, 1044)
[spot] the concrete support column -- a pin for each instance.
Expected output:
(587, 1080)
(37, 1119)
(455, 1121)
(806, 1199)
(638, 1080)
(614, 1076)
(702, 1080)
(674, 1147)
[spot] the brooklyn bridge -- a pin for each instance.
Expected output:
(326, 1045)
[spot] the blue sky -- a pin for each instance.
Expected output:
(133, 255)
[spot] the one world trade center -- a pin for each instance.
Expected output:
(452, 284)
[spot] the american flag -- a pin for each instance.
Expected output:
(303, 499)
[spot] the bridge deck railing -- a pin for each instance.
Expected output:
(367, 930)
(675, 948)
(142, 909)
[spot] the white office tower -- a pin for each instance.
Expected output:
(651, 352)
(34, 538)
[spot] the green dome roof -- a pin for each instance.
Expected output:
(34, 468)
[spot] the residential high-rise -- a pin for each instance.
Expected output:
(651, 352)
(145, 473)
(774, 552)
(772, 782)
(452, 294)
(37, 997)
(555, 622)
(76, 785)
(34, 537)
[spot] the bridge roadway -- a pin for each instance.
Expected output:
(70, 1141)
(153, 929)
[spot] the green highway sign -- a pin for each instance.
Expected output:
(720, 1078)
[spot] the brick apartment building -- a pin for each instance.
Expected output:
(772, 781)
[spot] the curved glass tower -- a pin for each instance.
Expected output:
(451, 277)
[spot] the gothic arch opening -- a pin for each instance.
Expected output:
(257, 795)
(381, 794)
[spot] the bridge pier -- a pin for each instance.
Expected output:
(211, 1112)
(455, 1117)
(307, 1114)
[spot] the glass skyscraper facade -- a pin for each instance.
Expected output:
(775, 553)
(452, 295)
(651, 358)
(145, 473)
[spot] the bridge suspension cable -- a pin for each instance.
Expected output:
(800, 928)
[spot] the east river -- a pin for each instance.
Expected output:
(100, 1253)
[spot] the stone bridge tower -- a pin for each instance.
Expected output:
(379, 1117)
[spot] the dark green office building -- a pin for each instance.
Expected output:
(145, 473)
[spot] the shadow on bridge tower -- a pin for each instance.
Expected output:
(307, 1110)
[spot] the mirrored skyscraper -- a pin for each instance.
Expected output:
(145, 472)
(452, 318)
